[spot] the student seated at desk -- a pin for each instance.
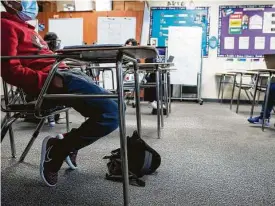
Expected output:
(131, 42)
(270, 105)
(20, 38)
(150, 93)
(54, 44)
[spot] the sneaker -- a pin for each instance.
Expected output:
(71, 158)
(258, 120)
(51, 121)
(155, 106)
(155, 111)
(47, 167)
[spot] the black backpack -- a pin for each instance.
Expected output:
(142, 160)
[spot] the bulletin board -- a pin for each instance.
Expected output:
(161, 18)
(246, 31)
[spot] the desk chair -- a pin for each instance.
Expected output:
(244, 80)
(16, 107)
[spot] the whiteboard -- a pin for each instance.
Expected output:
(69, 30)
(184, 43)
(115, 30)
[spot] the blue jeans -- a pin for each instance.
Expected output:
(102, 114)
(270, 103)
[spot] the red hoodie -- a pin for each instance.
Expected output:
(20, 38)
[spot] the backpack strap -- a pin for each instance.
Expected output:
(147, 163)
(133, 180)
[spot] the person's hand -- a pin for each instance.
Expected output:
(56, 85)
(57, 82)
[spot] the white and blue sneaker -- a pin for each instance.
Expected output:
(71, 158)
(258, 120)
(51, 121)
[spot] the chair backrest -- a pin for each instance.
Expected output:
(12, 95)
(270, 61)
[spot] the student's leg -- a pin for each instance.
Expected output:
(102, 119)
(270, 104)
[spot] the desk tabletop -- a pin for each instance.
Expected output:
(95, 54)
(264, 70)
(225, 73)
(144, 65)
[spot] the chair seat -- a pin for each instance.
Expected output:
(22, 107)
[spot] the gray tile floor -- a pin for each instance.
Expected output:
(210, 156)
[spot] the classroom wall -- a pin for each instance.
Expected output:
(214, 64)
(90, 21)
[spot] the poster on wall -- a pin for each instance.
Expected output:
(162, 18)
(246, 31)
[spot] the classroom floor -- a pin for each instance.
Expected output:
(210, 156)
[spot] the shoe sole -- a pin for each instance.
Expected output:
(43, 153)
(259, 123)
(67, 159)
(69, 162)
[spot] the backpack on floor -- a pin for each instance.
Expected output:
(142, 160)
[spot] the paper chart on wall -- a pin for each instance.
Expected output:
(229, 42)
(259, 43)
(256, 22)
(272, 43)
(269, 22)
(244, 42)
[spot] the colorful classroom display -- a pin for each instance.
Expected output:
(246, 31)
(164, 17)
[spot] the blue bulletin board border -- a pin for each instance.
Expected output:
(220, 26)
(206, 48)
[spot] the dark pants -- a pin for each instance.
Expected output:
(271, 101)
(102, 113)
(150, 93)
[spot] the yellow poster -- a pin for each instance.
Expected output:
(235, 23)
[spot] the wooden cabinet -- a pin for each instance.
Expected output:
(128, 5)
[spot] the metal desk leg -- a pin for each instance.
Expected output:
(254, 95)
(223, 80)
(161, 99)
(166, 94)
(158, 108)
(233, 90)
(122, 129)
(169, 91)
(113, 79)
(220, 86)
(137, 98)
(67, 121)
(266, 99)
(239, 95)
(259, 92)
(103, 79)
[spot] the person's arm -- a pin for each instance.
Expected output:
(12, 71)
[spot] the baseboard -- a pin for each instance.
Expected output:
(227, 101)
